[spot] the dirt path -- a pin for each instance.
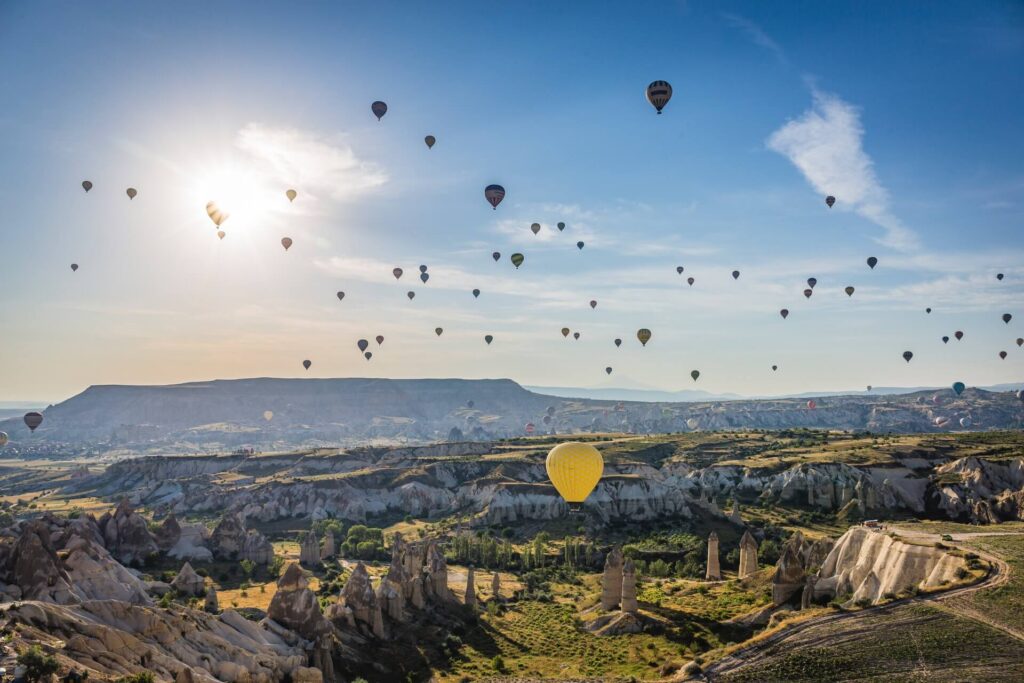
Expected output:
(948, 600)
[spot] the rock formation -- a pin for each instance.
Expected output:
(734, 516)
(748, 555)
(358, 602)
(295, 606)
(629, 605)
(789, 577)
(495, 586)
(714, 571)
(329, 550)
(807, 595)
(191, 543)
(227, 537)
(309, 551)
(470, 588)
(126, 535)
(187, 582)
(168, 533)
(211, 605)
(611, 581)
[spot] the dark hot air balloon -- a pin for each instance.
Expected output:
(999, 276)
(1007, 318)
(679, 270)
(644, 335)
(86, 185)
(735, 275)
(341, 295)
(423, 269)
(488, 338)
(379, 109)
(811, 281)
(928, 310)
(131, 192)
(380, 339)
(695, 374)
(424, 277)
(496, 255)
(517, 260)
(579, 245)
(959, 387)
(307, 363)
(690, 281)
(411, 294)
(1002, 354)
(565, 332)
(618, 343)
(494, 194)
(608, 370)
(576, 335)
(438, 331)
(33, 420)
(286, 242)
(397, 272)
(945, 340)
(362, 344)
(830, 200)
(658, 94)
(74, 267)
(808, 292)
(774, 368)
(535, 228)
(593, 303)
(561, 226)
(849, 291)
(872, 262)
(1020, 341)
(907, 355)
(367, 355)
(959, 335)
(430, 140)
(476, 293)
(784, 313)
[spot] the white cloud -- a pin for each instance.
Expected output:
(826, 144)
(319, 165)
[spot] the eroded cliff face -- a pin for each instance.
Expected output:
(977, 490)
(867, 565)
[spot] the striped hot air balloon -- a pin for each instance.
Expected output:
(658, 94)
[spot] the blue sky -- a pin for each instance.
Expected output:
(909, 113)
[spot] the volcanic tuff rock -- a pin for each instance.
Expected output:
(358, 603)
(187, 582)
(611, 580)
(629, 605)
(870, 564)
(126, 534)
(295, 606)
(713, 571)
(748, 555)
(168, 533)
(309, 551)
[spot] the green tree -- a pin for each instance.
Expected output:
(38, 665)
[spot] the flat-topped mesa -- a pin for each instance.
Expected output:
(869, 565)
(714, 570)
(126, 534)
(309, 551)
(611, 581)
(748, 555)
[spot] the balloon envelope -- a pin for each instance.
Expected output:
(784, 313)
(1007, 318)
(215, 213)
(811, 281)
(362, 344)
(658, 94)
(397, 272)
(850, 290)
(872, 262)
(644, 335)
(380, 339)
(33, 420)
(618, 342)
(74, 267)
(496, 255)
(579, 245)
(574, 469)
(695, 374)
(268, 415)
(3, 435)
(286, 242)
(488, 338)
(517, 260)
(907, 355)
(379, 109)
(131, 192)
(430, 140)
(830, 200)
(291, 194)
(368, 355)
(438, 331)
(593, 303)
(307, 363)
(565, 331)
(735, 275)
(811, 405)
(411, 294)
(608, 370)
(341, 295)
(535, 228)
(494, 194)
(959, 387)
(86, 185)
(476, 293)
(561, 226)
(424, 277)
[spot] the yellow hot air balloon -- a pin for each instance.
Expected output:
(291, 194)
(268, 415)
(574, 468)
(216, 214)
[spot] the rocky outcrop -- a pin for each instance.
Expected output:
(309, 550)
(748, 555)
(228, 537)
(800, 559)
(714, 571)
(470, 599)
(867, 565)
(168, 533)
(191, 543)
(735, 516)
(611, 580)
(295, 606)
(358, 603)
(496, 586)
(126, 535)
(187, 582)
(329, 550)
(256, 548)
(983, 491)
(210, 604)
(629, 604)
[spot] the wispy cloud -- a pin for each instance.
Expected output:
(318, 164)
(826, 144)
(756, 34)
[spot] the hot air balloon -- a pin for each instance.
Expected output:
(811, 281)
(535, 228)
(286, 242)
(488, 338)
(1007, 318)
(774, 368)
(608, 370)
(380, 339)
(565, 331)
(341, 295)
(849, 291)
(74, 267)
(658, 94)
(690, 281)
(928, 310)
(965, 422)
(546, 419)
(86, 185)
(367, 355)
(3, 435)
(735, 275)
(517, 260)
(423, 269)
(618, 342)
(812, 404)
(496, 255)
(438, 331)
(221, 234)
(941, 421)
(470, 404)
(695, 374)
(579, 245)
(362, 344)
(268, 415)
(379, 109)
(33, 420)
(476, 293)
(959, 387)
(574, 469)
(424, 277)
(430, 140)
(411, 294)
(1002, 354)
(644, 335)
(937, 400)
(808, 292)
(529, 428)
(494, 194)
(872, 262)
(999, 276)
(1020, 341)
(784, 313)
(291, 194)
(561, 226)
(397, 272)
(593, 303)
(307, 363)
(576, 336)
(945, 340)
(692, 423)
(131, 192)
(679, 270)
(959, 335)
(869, 387)
(907, 355)
(830, 200)
(215, 213)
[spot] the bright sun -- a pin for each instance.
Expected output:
(248, 196)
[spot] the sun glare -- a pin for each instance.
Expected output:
(248, 198)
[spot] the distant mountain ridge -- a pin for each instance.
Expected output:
(223, 415)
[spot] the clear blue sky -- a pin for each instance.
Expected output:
(910, 113)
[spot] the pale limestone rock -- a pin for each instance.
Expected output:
(748, 555)
(611, 581)
(714, 570)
